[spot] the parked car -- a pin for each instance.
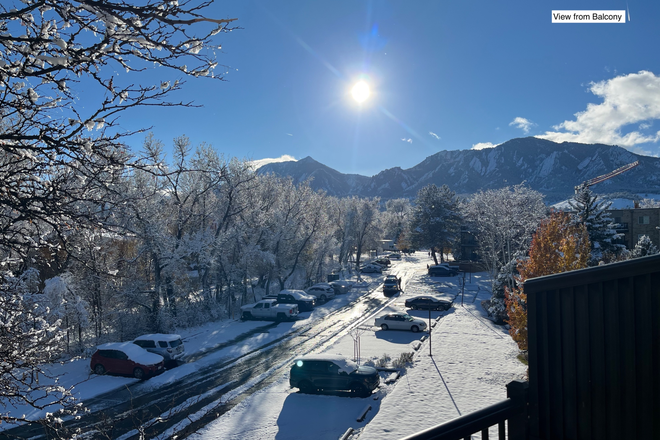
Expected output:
(454, 267)
(332, 373)
(170, 347)
(391, 284)
(400, 321)
(269, 309)
(341, 286)
(427, 303)
(384, 261)
(322, 291)
(126, 358)
(441, 271)
(372, 268)
(394, 256)
(304, 301)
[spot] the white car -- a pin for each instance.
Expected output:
(372, 268)
(322, 291)
(400, 321)
(169, 346)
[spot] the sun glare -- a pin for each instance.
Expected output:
(360, 91)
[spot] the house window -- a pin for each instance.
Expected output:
(617, 219)
(644, 219)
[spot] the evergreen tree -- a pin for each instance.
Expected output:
(592, 213)
(644, 247)
(436, 220)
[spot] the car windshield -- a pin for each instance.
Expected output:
(408, 318)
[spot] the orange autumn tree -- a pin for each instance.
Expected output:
(558, 245)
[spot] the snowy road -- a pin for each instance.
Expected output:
(223, 377)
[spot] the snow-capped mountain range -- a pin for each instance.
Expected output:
(551, 168)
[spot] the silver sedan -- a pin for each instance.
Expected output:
(400, 321)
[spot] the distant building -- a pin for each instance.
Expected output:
(387, 245)
(635, 222)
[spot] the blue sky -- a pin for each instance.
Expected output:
(443, 76)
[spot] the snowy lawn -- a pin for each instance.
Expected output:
(472, 362)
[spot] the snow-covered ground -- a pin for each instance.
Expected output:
(472, 362)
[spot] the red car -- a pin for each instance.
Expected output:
(126, 358)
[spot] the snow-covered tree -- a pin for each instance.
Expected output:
(29, 337)
(593, 214)
(644, 247)
(503, 221)
(396, 217)
(649, 203)
(67, 307)
(435, 220)
(358, 227)
(61, 155)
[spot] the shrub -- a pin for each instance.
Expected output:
(403, 360)
(383, 361)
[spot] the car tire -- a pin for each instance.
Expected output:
(384, 326)
(359, 390)
(246, 316)
(138, 373)
(306, 387)
(414, 329)
(99, 369)
(323, 298)
(281, 316)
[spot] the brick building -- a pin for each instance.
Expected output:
(635, 222)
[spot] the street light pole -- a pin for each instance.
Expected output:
(430, 353)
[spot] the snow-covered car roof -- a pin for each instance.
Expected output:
(346, 365)
(134, 353)
(298, 294)
(391, 277)
(159, 337)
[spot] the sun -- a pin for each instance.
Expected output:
(360, 91)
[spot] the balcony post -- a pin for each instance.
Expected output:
(518, 425)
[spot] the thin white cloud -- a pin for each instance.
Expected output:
(434, 135)
(522, 123)
(483, 145)
(407, 140)
(256, 164)
(289, 134)
(627, 99)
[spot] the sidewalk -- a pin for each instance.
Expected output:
(472, 361)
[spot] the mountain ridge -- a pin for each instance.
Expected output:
(551, 168)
